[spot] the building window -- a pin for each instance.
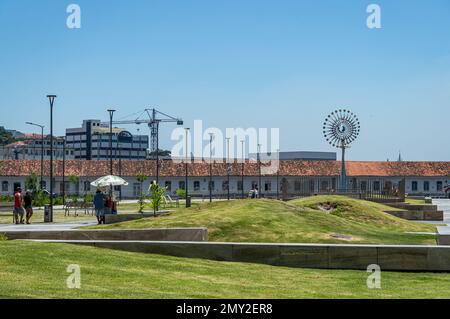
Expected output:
(426, 186)
(137, 189)
(181, 185)
(414, 186)
(311, 185)
(196, 185)
(363, 185)
(87, 186)
(16, 185)
(297, 185)
(64, 187)
(324, 185)
(224, 185)
(376, 186)
(168, 185)
(239, 186)
(439, 186)
(211, 185)
(268, 186)
(5, 186)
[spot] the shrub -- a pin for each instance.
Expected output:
(39, 198)
(181, 193)
(6, 198)
(88, 197)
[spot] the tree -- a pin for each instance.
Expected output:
(6, 137)
(31, 182)
(157, 195)
(76, 181)
(141, 178)
(161, 153)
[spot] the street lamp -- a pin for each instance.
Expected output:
(228, 168)
(64, 172)
(42, 150)
(186, 166)
(211, 136)
(278, 174)
(51, 99)
(242, 168)
(111, 114)
(259, 169)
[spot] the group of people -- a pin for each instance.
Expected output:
(103, 204)
(23, 205)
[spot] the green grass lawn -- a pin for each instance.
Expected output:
(297, 221)
(413, 201)
(38, 270)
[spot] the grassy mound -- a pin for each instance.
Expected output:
(359, 211)
(38, 270)
(297, 221)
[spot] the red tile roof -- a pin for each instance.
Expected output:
(170, 168)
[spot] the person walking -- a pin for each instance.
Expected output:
(28, 201)
(99, 206)
(18, 206)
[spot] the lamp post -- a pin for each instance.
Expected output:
(157, 148)
(278, 175)
(119, 157)
(211, 135)
(228, 168)
(64, 172)
(242, 168)
(51, 99)
(259, 171)
(111, 114)
(186, 166)
(42, 151)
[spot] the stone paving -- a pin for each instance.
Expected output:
(444, 205)
(46, 226)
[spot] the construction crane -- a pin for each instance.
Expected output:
(154, 118)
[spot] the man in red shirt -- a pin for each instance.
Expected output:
(18, 206)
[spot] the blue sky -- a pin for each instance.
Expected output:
(245, 63)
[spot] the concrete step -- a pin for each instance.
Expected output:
(418, 215)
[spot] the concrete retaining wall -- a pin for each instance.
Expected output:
(163, 234)
(443, 239)
(414, 206)
(110, 219)
(418, 215)
(6, 207)
(395, 258)
(117, 218)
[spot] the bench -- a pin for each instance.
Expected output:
(78, 205)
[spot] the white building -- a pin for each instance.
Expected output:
(298, 177)
(91, 142)
(32, 146)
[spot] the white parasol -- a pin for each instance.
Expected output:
(109, 180)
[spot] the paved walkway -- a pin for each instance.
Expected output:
(444, 205)
(44, 227)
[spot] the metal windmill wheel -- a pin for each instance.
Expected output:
(340, 129)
